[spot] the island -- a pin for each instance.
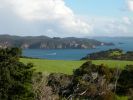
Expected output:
(44, 42)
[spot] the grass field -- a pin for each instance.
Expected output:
(67, 67)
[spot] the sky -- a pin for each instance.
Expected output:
(66, 18)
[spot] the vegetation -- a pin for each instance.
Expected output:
(67, 67)
(40, 88)
(94, 82)
(15, 77)
(111, 54)
(125, 82)
(44, 42)
(61, 83)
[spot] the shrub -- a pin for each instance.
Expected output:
(15, 77)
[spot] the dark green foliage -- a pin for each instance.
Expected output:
(111, 54)
(125, 82)
(15, 77)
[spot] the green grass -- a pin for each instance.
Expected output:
(113, 63)
(67, 67)
(122, 98)
(115, 53)
(57, 66)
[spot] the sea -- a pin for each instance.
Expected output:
(76, 54)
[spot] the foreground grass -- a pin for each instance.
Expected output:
(57, 66)
(67, 67)
(122, 98)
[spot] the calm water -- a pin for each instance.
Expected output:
(76, 54)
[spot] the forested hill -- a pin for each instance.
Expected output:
(44, 42)
(111, 54)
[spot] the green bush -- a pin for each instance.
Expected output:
(125, 82)
(15, 77)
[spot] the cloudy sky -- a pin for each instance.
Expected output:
(63, 18)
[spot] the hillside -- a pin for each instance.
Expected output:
(44, 42)
(111, 54)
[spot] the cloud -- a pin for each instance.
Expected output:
(110, 26)
(130, 5)
(53, 14)
(55, 18)
(127, 20)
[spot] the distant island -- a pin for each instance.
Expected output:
(44, 42)
(120, 43)
(111, 54)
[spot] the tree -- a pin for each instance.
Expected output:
(125, 82)
(15, 77)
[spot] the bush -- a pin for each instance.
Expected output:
(125, 82)
(15, 77)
